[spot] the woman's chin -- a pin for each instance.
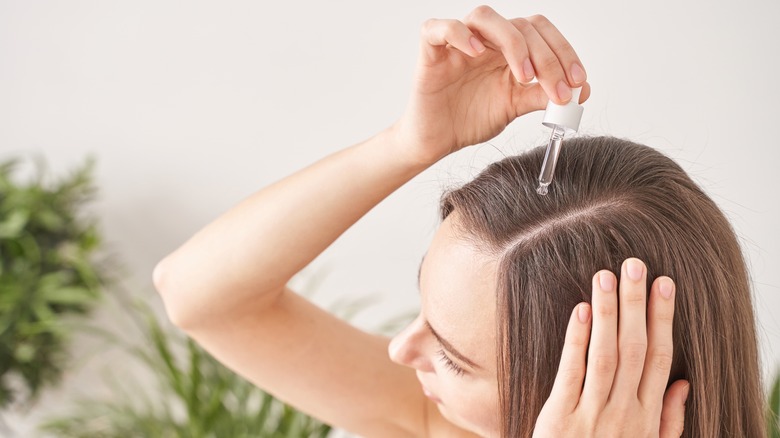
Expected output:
(471, 427)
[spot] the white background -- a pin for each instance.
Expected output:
(190, 106)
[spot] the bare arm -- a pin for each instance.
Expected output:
(226, 288)
(242, 261)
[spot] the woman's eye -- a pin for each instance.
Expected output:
(450, 364)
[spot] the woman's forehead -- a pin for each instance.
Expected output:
(457, 283)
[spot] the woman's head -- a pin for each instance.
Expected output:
(527, 260)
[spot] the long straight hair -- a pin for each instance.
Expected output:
(612, 199)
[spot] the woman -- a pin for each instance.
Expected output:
(484, 354)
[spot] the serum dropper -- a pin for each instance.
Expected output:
(563, 120)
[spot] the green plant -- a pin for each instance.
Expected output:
(46, 274)
(197, 398)
(773, 411)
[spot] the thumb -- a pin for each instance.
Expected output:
(673, 412)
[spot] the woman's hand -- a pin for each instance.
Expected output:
(462, 96)
(623, 391)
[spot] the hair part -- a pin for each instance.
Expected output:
(613, 199)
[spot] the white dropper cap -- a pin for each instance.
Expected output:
(565, 116)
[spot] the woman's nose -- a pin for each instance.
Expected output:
(407, 347)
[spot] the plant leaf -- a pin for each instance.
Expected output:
(69, 295)
(773, 411)
(12, 226)
(24, 352)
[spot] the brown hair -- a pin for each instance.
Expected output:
(612, 199)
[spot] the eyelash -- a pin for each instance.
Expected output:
(450, 364)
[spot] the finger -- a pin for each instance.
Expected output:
(632, 331)
(436, 34)
(534, 98)
(660, 346)
(603, 353)
(549, 70)
(499, 32)
(566, 391)
(673, 413)
(585, 93)
(572, 66)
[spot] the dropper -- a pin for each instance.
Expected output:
(562, 119)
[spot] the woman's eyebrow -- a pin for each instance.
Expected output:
(450, 348)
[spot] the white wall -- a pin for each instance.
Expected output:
(190, 106)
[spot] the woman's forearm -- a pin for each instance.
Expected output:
(244, 258)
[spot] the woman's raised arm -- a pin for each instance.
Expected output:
(241, 262)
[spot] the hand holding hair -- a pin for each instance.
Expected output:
(626, 375)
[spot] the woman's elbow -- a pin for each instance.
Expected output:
(164, 283)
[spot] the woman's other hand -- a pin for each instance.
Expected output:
(628, 364)
(473, 78)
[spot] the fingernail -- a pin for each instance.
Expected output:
(564, 91)
(528, 69)
(477, 44)
(607, 281)
(583, 312)
(634, 269)
(666, 287)
(577, 73)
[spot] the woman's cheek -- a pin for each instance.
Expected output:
(471, 404)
